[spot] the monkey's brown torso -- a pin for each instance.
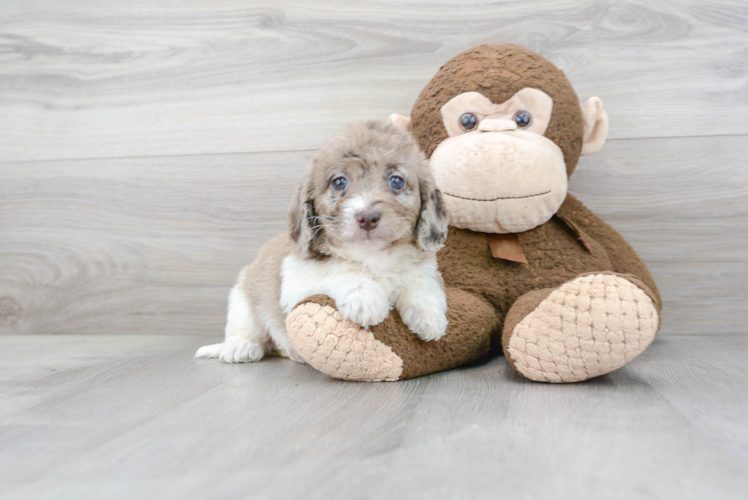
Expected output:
(554, 252)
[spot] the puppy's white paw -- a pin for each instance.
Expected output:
(234, 350)
(428, 323)
(366, 304)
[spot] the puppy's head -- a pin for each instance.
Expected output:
(369, 187)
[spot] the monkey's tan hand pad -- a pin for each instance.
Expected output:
(587, 327)
(338, 347)
(389, 350)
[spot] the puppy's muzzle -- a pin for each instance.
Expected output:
(368, 219)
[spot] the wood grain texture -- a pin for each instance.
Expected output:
(154, 244)
(147, 150)
(135, 417)
(83, 79)
(121, 246)
(683, 205)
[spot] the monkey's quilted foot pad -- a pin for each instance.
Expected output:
(338, 347)
(587, 327)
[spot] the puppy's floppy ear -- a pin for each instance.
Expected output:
(303, 223)
(433, 220)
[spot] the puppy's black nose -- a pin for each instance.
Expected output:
(368, 219)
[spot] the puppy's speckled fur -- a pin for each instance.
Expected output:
(367, 154)
(367, 271)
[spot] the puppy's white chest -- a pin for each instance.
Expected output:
(301, 278)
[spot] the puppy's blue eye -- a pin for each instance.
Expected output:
(339, 183)
(396, 183)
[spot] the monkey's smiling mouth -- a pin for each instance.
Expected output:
(499, 198)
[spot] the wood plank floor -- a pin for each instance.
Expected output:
(136, 417)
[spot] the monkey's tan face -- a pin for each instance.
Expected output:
(497, 171)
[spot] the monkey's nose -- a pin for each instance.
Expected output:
(368, 219)
(494, 125)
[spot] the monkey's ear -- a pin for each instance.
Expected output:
(399, 120)
(302, 221)
(595, 120)
(433, 220)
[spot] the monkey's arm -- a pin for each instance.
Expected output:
(625, 260)
(389, 351)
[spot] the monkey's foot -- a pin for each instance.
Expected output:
(337, 346)
(587, 327)
(388, 351)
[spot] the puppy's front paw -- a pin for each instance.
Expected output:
(240, 350)
(428, 323)
(366, 304)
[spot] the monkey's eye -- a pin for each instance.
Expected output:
(339, 183)
(468, 122)
(522, 119)
(396, 183)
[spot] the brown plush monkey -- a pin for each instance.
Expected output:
(525, 264)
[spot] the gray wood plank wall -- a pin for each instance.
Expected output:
(148, 148)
